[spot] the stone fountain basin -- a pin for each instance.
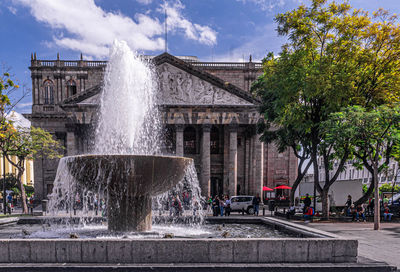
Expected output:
(130, 182)
(145, 174)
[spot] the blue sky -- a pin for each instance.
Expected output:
(213, 30)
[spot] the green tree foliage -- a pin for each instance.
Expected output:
(23, 143)
(335, 57)
(373, 135)
(384, 188)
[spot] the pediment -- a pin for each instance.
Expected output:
(179, 87)
(180, 83)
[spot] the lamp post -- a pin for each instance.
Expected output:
(4, 185)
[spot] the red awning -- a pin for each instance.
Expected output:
(265, 188)
(283, 187)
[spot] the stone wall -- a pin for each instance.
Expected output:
(249, 250)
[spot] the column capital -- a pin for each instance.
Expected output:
(233, 127)
(70, 127)
(206, 127)
(179, 127)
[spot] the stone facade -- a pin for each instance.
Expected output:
(208, 113)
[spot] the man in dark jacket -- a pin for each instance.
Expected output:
(307, 202)
(256, 204)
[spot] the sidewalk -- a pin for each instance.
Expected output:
(382, 245)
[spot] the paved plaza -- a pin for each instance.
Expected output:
(382, 245)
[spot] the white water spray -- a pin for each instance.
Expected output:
(128, 119)
(128, 124)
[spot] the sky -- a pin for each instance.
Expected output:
(212, 30)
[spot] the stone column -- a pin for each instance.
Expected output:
(205, 160)
(179, 139)
(71, 140)
(259, 165)
(232, 159)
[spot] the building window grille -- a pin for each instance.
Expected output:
(48, 92)
(71, 88)
(214, 140)
(189, 138)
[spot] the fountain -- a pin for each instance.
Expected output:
(123, 167)
(122, 176)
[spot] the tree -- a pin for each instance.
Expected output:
(23, 143)
(27, 143)
(7, 87)
(372, 134)
(334, 58)
(287, 137)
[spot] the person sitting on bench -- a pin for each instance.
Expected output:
(308, 215)
(387, 215)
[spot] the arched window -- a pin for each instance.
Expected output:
(189, 139)
(71, 88)
(48, 92)
(214, 140)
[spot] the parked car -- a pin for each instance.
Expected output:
(240, 203)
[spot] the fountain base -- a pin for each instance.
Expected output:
(129, 181)
(132, 213)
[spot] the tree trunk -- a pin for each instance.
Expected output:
(300, 176)
(293, 190)
(22, 189)
(20, 167)
(377, 211)
(367, 194)
(325, 203)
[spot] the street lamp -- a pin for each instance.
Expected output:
(4, 185)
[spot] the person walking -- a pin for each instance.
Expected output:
(348, 204)
(221, 206)
(215, 206)
(227, 206)
(256, 204)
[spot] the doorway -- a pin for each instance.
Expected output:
(217, 186)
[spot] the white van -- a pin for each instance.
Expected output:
(240, 203)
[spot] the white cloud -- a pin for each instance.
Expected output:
(265, 5)
(177, 22)
(144, 2)
(13, 10)
(85, 27)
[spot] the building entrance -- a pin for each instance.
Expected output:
(217, 187)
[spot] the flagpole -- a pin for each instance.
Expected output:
(165, 26)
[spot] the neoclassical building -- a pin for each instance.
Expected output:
(207, 111)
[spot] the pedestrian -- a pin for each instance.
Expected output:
(371, 206)
(209, 204)
(348, 204)
(360, 212)
(215, 206)
(307, 203)
(353, 212)
(227, 206)
(256, 204)
(385, 199)
(9, 203)
(221, 206)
